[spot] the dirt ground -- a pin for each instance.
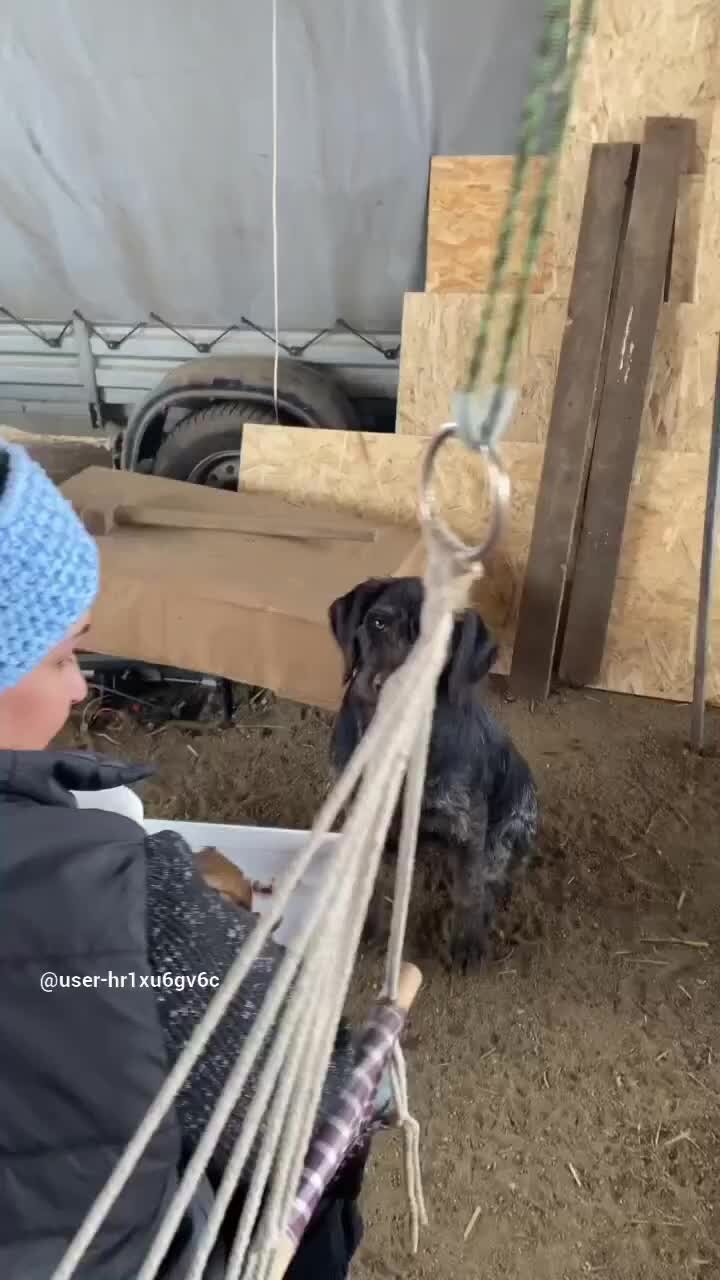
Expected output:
(569, 1094)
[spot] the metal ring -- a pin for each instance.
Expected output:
(500, 491)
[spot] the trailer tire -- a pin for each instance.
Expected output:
(205, 447)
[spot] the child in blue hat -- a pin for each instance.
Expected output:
(84, 892)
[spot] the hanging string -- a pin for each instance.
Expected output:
(275, 251)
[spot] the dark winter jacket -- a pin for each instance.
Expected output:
(85, 894)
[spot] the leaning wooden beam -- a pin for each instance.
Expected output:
(572, 420)
(665, 154)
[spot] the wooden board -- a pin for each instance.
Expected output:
(379, 475)
(679, 392)
(438, 334)
(663, 158)
(649, 648)
(686, 240)
(467, 203)
(642, 59)
(707, 280)
(439, 330)
(650, 645)
(572, 422)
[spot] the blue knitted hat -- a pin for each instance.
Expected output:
(49, 566)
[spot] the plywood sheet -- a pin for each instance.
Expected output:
(467, 204)
(651, 635)
(379, 475)
(642, 59)
(707, 283)
(679, 396)
(439, 331)
(650, 640)
(686, 240)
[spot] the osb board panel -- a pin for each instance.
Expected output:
(652, 626)
(378, 475)
(707, 283)
(438, 334)
(679, 397)
(467, 203)
(686, 240)
(642, 59)
(651, 637)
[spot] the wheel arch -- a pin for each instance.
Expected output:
(306, 396)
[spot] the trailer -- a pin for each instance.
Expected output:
(136, 299)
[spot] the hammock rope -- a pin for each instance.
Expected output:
(298, 1022)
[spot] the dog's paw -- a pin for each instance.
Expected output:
(503, 895)
(467, 943)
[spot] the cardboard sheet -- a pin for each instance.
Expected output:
(252, 609)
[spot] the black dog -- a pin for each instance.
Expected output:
(479, 816)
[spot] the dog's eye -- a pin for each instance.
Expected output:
(378, 624)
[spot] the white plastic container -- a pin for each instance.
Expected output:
(262, 853)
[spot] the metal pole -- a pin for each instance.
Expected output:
(697, 724)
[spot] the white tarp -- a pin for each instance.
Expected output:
(136, 144)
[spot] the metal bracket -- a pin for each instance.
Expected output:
(86, 363)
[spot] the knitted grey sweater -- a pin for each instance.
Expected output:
(192, 929)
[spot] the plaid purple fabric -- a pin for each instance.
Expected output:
(340, 1132)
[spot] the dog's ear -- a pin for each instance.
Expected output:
(347, 614)
(473, 652)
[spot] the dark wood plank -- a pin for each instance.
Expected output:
(572, 419)
(676, 131)
(663, 158)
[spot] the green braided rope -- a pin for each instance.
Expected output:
(548, 66)
(554, 71)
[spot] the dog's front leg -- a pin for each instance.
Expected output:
(473, 898)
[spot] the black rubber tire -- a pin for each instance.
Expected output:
(214, 430)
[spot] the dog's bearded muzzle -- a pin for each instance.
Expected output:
(368, 685)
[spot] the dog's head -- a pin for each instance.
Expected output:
(377, 624)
